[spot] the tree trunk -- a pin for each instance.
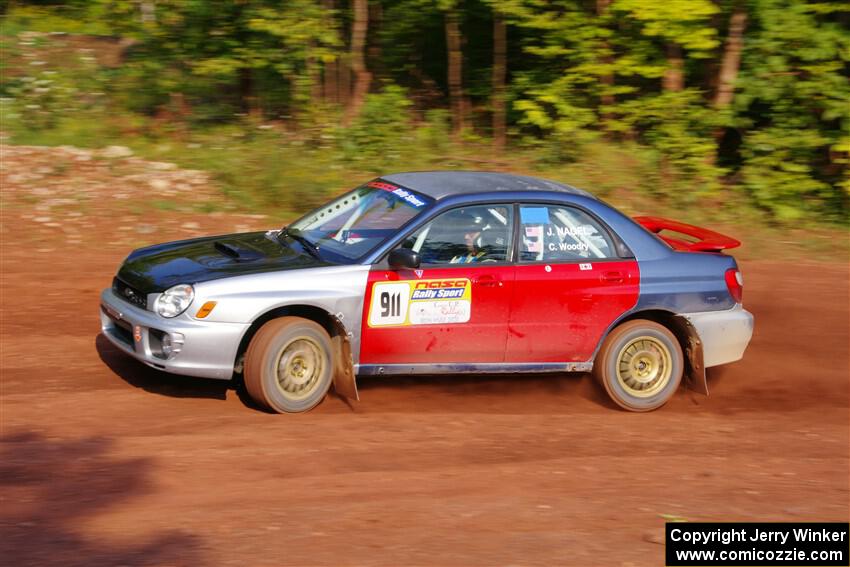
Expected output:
(607, 78)
(375, 56)
(674, 76)
(247, 94)
(362, 77)
(455, 71)
(499, 73)
(330, 78)
(179, 115)
(729, 67)
(314, 76)
(602, 7)
(731, 61)
(343, 67)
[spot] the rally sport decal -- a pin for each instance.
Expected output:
(420, 302)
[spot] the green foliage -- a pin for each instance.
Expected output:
(217, 54)
(794, 108)
(778, 173)
(683, 22)
(434, 134)
(379, 136)
(566, 103)
(584, 78)
(69, 18)
(680, 128)
(48, 94)
(258, 170)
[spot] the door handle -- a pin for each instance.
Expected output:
(613, 277)
(488, 281)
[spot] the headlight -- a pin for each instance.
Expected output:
(174, 301)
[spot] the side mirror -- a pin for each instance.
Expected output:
(404, 258)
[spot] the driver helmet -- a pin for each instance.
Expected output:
(465, 222)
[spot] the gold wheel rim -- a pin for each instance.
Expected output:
(644, 367)
(300, 366)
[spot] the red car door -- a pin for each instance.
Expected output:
(569, 286)
(436, 315)
(455, 308)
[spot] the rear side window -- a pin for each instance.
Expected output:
(550, 233)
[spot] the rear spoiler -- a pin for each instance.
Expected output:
(706, 240)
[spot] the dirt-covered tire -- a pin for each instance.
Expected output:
(640, 365)
(289, 365)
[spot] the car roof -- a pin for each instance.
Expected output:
(440, 184)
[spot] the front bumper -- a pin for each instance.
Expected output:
(208, 349)
(724, 334)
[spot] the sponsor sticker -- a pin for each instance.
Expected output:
(406, 196)
(420, 302)
(382, 185)
(584, 267)
(534, 239)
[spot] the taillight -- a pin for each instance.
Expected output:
(735, 283)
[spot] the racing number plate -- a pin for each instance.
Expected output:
(420, 302)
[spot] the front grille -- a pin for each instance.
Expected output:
(129, 294)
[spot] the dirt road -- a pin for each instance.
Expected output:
(106, 462)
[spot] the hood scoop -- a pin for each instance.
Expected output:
(238, 254)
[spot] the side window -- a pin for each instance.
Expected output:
(464, 236)
(561, 234)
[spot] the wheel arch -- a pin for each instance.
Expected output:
(343, 376)
(684, 332)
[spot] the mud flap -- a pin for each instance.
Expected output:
(345, 382)
(695, 377)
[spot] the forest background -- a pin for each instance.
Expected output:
(723, 111)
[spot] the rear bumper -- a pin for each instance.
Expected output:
(207, 350)
(724, 334)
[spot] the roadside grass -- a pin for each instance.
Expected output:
(264, 168)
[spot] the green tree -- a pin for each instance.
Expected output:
(222, 56)
(752, 94)
(684, 26)
(793, 108)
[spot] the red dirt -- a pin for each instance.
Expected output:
(105, 461)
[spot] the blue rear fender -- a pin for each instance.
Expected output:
(686, 282)
(712, 327)
(675, 284)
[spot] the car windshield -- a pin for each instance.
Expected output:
(358, 222)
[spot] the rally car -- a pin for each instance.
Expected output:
(438, 272)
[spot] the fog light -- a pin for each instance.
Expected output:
(167, 345)
(170, 344)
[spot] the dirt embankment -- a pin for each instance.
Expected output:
(104, 461)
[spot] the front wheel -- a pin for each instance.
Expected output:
(289, 365)
(640, 365)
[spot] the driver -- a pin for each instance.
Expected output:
(471, 227)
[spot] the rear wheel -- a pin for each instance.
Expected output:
(289, 365)
(640, 365)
